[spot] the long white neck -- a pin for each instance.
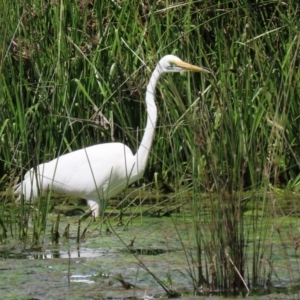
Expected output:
(146, 143)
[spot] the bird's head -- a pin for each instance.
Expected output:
(172, 64)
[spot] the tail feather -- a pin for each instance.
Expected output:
(29, 187)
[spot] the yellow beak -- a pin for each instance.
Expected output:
(192, 68)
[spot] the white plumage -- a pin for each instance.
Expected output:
(100, 172)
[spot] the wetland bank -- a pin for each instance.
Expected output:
(127, 257)
(217, 208)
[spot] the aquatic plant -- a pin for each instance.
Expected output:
(231, 141)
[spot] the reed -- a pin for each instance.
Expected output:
(230, 139)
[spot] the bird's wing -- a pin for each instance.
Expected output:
(91, 170)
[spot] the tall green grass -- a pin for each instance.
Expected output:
(66, 65)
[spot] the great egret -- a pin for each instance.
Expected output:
(99, 172)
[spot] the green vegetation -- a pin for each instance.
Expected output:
(73, 73)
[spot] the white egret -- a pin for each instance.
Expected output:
(99, 172)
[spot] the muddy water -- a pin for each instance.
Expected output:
(102, 266)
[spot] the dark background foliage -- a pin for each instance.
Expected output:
(243, 131)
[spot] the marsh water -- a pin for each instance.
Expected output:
(126, 259)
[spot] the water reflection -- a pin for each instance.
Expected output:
(52, 253)
(82, 278)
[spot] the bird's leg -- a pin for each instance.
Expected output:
(94, 206)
